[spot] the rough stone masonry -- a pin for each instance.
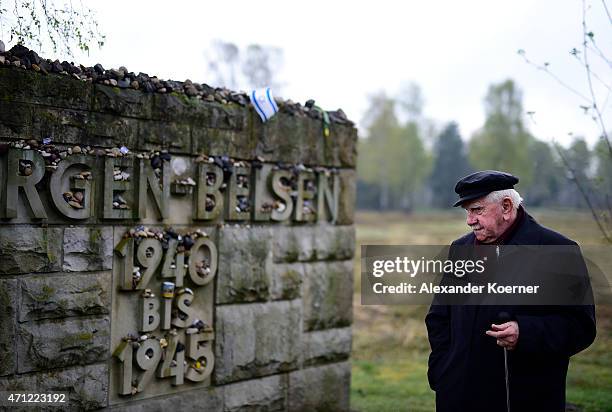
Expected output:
(161, 248)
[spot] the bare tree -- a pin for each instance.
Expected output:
(254, 67)
(34, 22)
(593, 105)
(259, 65)
(223, 63)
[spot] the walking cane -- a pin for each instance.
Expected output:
(504, 317)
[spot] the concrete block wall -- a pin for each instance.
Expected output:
(280, 303)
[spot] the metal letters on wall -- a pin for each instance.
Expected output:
(163, 279)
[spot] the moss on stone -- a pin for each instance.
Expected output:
(291, 281)
(249, 289)
(52, 258)
(258, 249)
(292, 249)
(189, 101)
(76, 340)
(93, 288)
(45, 295)
(4, 298)
(95, 235)
(85, 336)
(46, 115)
(63, 305)
(44, 241)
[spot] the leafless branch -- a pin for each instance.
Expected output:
(580, 61)
(607, 11)
(544, 68)
(595, 49)
(585, 34)
(584, 194)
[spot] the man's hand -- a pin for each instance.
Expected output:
(507, 334)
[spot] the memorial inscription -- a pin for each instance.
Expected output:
(164, 280)
(81, 187)
(162, 330)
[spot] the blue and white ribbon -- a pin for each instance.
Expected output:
(264, 104)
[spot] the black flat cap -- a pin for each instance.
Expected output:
(482, 183)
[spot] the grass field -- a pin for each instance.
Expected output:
(390, 346)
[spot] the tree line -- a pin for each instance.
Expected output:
(407, 163)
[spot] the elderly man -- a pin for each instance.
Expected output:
(466, 365)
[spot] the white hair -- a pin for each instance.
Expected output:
(499, 195)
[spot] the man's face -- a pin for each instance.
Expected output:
(485, 219)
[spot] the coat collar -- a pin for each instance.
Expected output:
(526, 234)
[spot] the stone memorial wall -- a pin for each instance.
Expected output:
(166, 250)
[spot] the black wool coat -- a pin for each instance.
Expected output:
(466, 367)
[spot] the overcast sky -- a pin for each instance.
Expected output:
(340, 52)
